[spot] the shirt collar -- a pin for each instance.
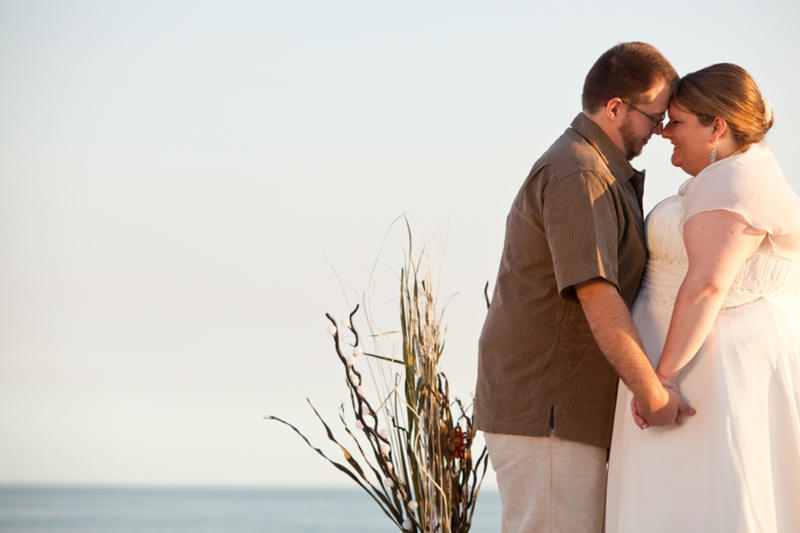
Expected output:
(614, 158)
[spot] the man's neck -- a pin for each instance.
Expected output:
(608, 127)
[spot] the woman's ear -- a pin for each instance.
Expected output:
(719, 129)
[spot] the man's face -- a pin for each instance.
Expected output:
(637, 126)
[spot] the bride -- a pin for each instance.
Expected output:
(718, 312)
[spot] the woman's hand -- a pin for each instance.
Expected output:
(671, 384)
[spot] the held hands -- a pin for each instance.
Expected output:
(662, 407)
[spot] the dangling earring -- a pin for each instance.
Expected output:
(714, 152)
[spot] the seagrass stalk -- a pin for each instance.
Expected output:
(418, 466)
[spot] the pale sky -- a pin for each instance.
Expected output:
(177, 180)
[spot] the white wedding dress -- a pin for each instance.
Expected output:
(735, 465)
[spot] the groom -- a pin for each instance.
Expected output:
(559, 333)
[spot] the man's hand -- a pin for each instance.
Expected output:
(660, 410)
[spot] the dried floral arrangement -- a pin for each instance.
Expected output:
(413, 445)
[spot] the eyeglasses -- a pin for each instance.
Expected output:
(658, 121)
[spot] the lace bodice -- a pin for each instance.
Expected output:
(761, 198)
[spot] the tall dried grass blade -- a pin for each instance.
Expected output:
(429, 457)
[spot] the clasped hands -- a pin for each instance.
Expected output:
(662, 407)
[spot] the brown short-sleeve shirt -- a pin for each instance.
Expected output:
(578, 216)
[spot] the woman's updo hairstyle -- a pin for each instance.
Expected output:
(727, 91)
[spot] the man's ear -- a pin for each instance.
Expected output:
(614, 109)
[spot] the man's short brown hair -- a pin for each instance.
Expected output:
(627, 71)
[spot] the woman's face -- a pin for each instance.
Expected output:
(691, 141)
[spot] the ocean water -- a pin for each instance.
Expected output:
(169, 510)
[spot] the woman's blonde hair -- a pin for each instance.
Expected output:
(729, 92)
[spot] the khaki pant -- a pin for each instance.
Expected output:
(549, 484)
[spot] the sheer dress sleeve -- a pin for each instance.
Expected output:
(752, 185)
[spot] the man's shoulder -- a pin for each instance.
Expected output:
(571, 156)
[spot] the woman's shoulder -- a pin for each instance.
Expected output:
(750, 183)
(754, 172)
(750, 169)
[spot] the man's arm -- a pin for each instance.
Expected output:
(615, 334)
